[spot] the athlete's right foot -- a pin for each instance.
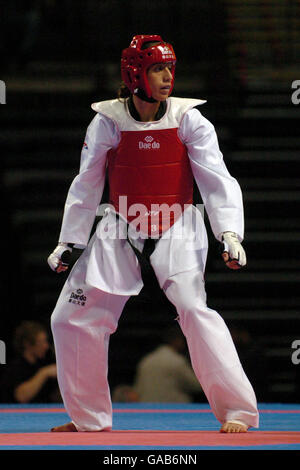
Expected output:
(234, 426)
(68, 427)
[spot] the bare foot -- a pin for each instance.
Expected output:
(234, 426)
(69, 427)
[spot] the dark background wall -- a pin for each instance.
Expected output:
(57, 57)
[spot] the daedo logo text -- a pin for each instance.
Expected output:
(149, 143)
(78, 298)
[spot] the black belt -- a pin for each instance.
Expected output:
(148, 275)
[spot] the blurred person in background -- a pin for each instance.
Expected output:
(253, 357)
(165, 375)
(125, 393)
(30, 377)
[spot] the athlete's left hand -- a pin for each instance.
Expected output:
(233, 254)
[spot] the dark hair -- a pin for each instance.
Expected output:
(27, 331)
(172, 333)
(123, 91)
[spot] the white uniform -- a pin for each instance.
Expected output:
(108, 272)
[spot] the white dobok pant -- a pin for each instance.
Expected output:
(81, 338)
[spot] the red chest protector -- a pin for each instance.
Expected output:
(150, 179)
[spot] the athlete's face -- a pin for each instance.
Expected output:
(160, 80)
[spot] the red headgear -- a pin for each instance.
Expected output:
(135, 62)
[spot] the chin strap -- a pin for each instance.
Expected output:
(142, 95)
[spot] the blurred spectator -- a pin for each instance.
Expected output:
(30, 378)
(165, 375)
(253, 358)
(125, 394)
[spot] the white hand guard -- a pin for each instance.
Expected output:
(233, 252)
(60, 258)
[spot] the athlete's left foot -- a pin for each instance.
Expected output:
(69, 427)
(234, 426)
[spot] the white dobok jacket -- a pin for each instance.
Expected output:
(113, 266)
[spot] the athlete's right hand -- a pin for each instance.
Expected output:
(59, 260)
